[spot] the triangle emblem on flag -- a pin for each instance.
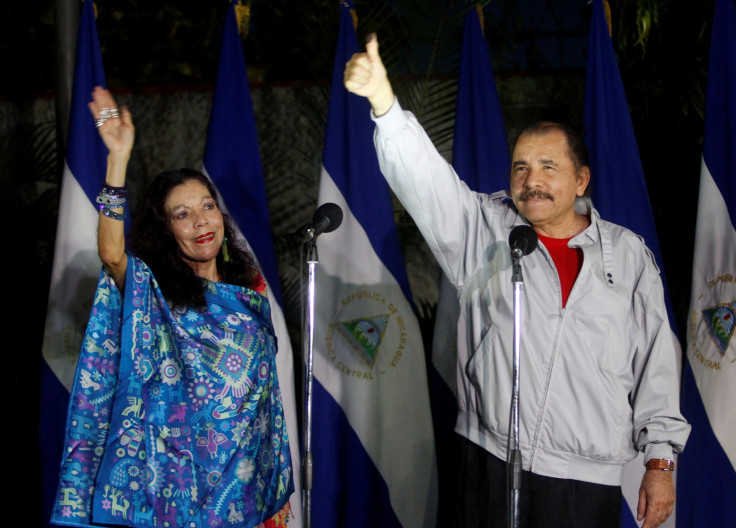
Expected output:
(720, 321)
(365, 335)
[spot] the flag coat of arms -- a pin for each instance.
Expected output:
(232, 161)
(707, 483)
(619, 190)
(372, 439)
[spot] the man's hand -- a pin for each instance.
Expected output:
(365, 75)
(656, 497)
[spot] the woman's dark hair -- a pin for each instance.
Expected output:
(151, 240)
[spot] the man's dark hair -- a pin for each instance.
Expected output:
(576, 148)
(151, 240)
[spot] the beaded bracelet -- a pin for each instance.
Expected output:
(112, 197)
(115, 190)
(112, 214)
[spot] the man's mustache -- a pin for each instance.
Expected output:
(535, 194)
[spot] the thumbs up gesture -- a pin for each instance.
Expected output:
(365, 75)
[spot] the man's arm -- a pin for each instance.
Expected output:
(660, 429)
(443, 208)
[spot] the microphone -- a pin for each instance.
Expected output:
(327, 218)
(522, 240)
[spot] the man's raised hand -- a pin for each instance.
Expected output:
(365, 75)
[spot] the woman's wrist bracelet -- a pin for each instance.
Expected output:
(112, 197)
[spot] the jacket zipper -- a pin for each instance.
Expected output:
(555, 349)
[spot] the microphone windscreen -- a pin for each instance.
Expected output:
(523, 238)
(331, 212)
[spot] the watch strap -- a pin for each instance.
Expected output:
(665, 464)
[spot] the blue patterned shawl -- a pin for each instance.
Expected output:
(175, 417)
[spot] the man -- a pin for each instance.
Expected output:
(598, 376)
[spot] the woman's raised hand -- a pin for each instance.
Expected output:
(114, 124)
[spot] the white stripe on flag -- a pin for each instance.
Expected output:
(714, 276)
(73, 279)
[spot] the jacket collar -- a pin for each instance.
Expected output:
(596, 233)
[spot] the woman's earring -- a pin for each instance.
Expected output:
(225, 254)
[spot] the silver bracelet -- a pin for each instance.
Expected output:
(112, 214)
(105, 199)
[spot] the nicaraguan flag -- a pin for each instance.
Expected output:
(76, 266)
(707, 483)
(619, 190)
(372, 440)
(232, 160)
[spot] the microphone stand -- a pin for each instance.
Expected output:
(327, 218)
(312, 260)
(513, 456)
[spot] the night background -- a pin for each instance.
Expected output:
(156, 47)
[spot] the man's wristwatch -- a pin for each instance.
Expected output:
(665, 464)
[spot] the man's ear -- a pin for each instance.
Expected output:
(583, 180)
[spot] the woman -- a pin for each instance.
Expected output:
(175, 417)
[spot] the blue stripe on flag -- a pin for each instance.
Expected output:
(619, 189)
(627, 518)
(719, 148)
(231, 155)
(480, 149)
(54, 403)
(707, 482)
(86, 153)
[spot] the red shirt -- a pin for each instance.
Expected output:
(568, 262)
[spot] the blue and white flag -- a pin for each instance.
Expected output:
(707, 483)
(233, 162)
(76, 266)
(372, 439)
(619, 190)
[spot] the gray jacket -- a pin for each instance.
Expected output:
(599, 378)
